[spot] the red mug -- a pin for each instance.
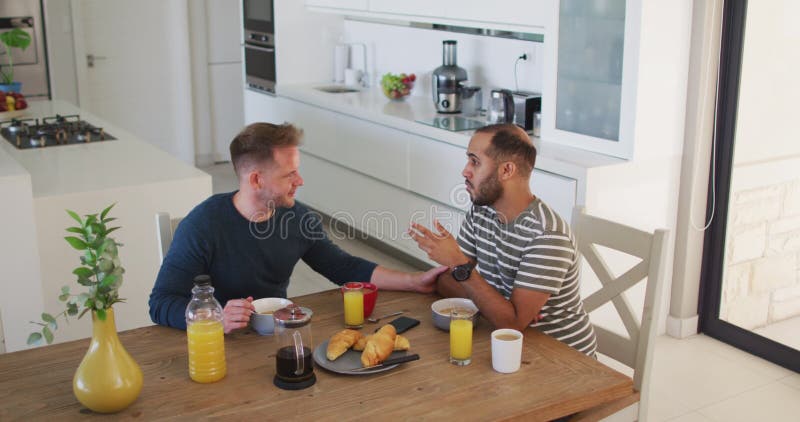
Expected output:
(370, 297)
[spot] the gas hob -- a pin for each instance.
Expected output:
(51, 131)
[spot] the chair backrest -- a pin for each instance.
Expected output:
(637, 350)
(165, 228)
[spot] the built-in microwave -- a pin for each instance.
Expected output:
(259, 17)
(259, 44)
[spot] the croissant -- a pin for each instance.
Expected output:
(380, 346)
(400, 343)
(342, 341)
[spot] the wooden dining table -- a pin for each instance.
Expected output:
(553, 381)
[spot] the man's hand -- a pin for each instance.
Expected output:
(440, 247)
(426, 282)
(237, 314)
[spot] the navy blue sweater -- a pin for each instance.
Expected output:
(245, 258)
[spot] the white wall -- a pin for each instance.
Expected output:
(489, 61)
(644, 191)
(144, 82)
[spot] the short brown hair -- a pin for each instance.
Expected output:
(510, 143)
(256, 142)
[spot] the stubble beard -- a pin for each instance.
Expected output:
(488, 192)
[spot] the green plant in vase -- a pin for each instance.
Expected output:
(15, 38)
(100, 271)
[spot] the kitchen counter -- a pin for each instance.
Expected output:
(126, 161)
(37, 185)
(371, 105)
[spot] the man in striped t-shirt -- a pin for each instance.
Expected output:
(523, 254)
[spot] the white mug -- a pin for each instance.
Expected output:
(352, 77)
(506, 350)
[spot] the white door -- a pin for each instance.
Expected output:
(132, 60)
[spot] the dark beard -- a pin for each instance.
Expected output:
(489, 191)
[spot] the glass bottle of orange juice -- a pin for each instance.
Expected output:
(205, 333)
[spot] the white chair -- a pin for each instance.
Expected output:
(637, 350)
(165, 228)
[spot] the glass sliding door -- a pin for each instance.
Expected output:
(751, 265)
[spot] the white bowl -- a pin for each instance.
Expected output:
(441, 315)
(262, 321)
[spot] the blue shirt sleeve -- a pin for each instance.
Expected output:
(324, 257)
(188, 256)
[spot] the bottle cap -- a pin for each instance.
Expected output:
(202, 280)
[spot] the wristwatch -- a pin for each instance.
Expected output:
(462, 272)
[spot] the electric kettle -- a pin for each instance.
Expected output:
(501, 107)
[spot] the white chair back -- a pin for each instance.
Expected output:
(635, 351)
(165, 228)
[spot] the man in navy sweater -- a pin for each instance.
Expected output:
(249, 241)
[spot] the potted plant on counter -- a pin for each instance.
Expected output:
(108, 379)
(15, 38)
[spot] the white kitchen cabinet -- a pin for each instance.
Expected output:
(224, 32)
(260, 107)
(340, 4)
(591, 58)
(518, 12)
(320, 128)
(227, 105)
(381, 210)
(435, 171)
(372, 149)
(410, 7)
(365, 147)
(559, 192)
(500, 14)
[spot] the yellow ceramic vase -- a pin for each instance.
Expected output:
(108, 379)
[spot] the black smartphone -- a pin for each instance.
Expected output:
(404, 323)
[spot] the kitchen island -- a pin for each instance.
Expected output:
(39, 184)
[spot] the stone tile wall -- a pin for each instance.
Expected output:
(762, 274)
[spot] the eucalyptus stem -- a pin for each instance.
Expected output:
(99, 254)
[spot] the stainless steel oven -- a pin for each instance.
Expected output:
(259, 44)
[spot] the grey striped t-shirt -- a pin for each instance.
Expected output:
(535, 251)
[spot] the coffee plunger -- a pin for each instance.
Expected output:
(294, 367)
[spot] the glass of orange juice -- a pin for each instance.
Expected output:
(460, 336)
(353, 305)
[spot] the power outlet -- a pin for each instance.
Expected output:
(528, 57)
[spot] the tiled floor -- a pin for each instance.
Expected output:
(697, 379)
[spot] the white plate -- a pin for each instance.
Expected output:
(349, 360)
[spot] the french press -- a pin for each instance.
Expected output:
(294, 368)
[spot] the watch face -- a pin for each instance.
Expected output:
(461, 273)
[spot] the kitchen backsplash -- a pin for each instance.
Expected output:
(489, 61)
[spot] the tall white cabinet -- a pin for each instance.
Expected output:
(218, 77)
(591, 75)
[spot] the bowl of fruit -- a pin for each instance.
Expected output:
(10, 101)
(397, 87)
